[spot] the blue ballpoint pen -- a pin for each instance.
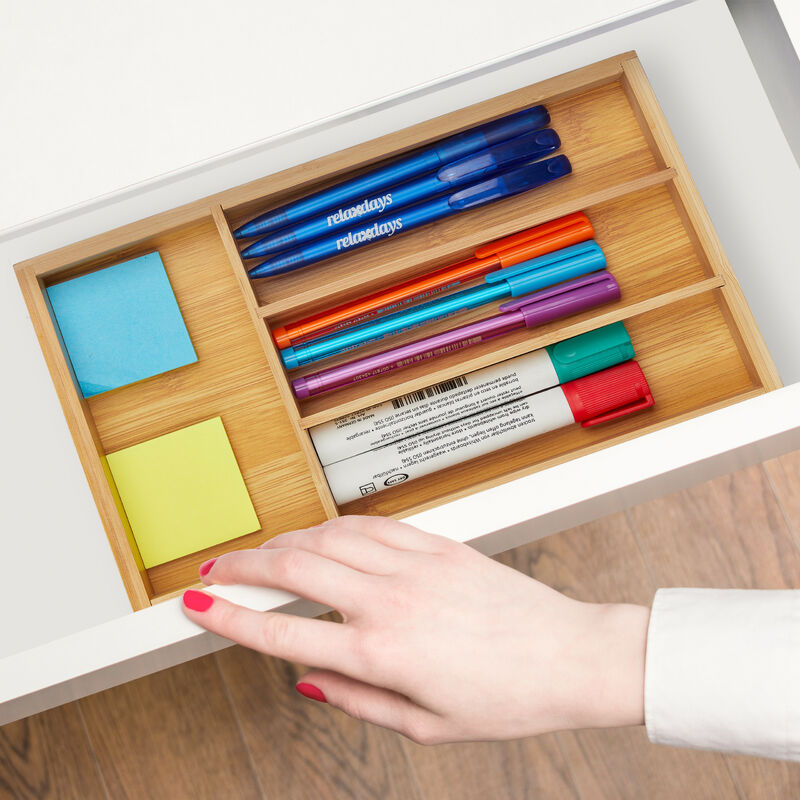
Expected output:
(504, 185)
(528, 276)
(424, 160)
(483, 164)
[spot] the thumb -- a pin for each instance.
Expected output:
(373, 704)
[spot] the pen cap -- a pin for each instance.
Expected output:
(305, 387)
(590, 352)
(580, 294)
(540, 239)
(560, 265)
(529, 119)
(527, 147)
(290, 360)
(610, 394)
(510, 183)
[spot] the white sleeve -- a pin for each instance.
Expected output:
(723, 671)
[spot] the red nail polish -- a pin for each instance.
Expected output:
(197, 601)
(205, 567)
(311, 691)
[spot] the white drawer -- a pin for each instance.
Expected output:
(71, 631)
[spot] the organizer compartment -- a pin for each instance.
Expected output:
(691, 363)
(690, 325)
(229, 379)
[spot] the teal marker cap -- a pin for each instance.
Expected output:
(290, 360)
(591, 352)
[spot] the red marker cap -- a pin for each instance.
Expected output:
(610, 394)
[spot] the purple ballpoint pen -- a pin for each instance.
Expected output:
(528, 311)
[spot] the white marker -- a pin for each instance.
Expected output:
(601, 397)
(468, 394)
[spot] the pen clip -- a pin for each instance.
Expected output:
(589, 250)
(532, 242)
(602, 277)
(571, 297)
(527, 147)
(510, 183)
(551, 268)
(622, 411)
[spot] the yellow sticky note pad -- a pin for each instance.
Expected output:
(183, 492)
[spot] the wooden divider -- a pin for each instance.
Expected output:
(274, 361)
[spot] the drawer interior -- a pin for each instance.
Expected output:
(691, 329)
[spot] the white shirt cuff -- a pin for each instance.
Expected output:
(723, 671)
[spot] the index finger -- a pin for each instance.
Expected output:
(301, 572)
(313, 642)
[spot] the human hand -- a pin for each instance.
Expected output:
(437, 641)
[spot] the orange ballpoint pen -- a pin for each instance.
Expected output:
(505, 252)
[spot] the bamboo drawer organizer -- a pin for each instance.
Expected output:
(692, 330)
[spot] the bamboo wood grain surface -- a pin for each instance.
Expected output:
(231, 725)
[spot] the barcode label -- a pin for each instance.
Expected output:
(431, 391)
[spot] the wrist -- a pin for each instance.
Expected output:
(614, 665)
(624, 643)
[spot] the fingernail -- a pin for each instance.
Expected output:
(197, 601)
(205, 567)
(310, 691)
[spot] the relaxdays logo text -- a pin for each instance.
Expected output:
(366, 207)
(376, 231)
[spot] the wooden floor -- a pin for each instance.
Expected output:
(231, 725)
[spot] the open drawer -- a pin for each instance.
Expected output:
(718, 404)
(692, 331)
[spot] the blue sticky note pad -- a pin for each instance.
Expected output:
(121, 324)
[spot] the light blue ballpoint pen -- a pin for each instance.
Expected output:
(521, 279)
(424, 160)
(506, 184)
(470, 169)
